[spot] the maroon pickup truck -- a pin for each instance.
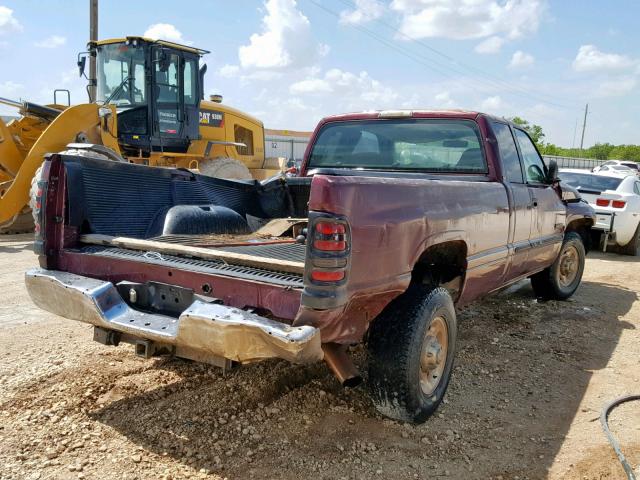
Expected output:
(397, 217)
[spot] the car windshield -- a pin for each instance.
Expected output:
(121, 74)
(632, 165)
(587, 182)
(400, 144)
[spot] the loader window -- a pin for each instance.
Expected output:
(121, 74)
(167, 78)
(244, 135)
(190, 83)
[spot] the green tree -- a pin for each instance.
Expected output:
(534, 131)
(600, 151)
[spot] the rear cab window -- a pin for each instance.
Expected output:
(422, 145)
(588, 182)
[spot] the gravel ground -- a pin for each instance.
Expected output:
(527, 390)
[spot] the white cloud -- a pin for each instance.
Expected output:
(229, 71)
(8, 23)
(589, 59)
(311, 86)
(468, 19)
(490, 45)
(616, 88)
(521, 59)
(53, 41)
(165, 31)
(444, 100)
(365, 11)
(10, 89)
(492, 104)
(285, 42)
(354, 91)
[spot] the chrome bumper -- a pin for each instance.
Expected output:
(203, 329)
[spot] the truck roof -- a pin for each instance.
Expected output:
(403, 113)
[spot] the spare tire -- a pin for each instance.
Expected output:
(224, 167)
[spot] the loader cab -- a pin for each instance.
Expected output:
(156, 87)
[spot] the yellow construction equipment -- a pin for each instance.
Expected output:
(150, 109)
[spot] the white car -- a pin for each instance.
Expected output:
(618, 166)
(616, 200)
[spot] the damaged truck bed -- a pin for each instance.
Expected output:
(396, 218)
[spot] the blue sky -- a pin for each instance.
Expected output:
(292, 62)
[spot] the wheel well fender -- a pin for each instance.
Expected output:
(582, 226)
(442, 264)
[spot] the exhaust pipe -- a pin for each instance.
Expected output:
(340, 363)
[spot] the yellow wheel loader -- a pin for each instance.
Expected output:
(149, 109)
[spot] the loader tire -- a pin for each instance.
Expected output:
(20, 223)
(223, 167)
(33, 192)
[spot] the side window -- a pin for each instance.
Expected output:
(637, 188)
(508, 152)
(243, 135)
(167, 78)
(533, 164)
(139, 86)
(190, 73)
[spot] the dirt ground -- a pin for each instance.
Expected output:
(524, 402)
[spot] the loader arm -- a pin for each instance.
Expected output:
(79, 120)
(10, 156)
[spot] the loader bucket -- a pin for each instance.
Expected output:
(74, 122)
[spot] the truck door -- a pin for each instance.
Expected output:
(549, 213)
(521, 215)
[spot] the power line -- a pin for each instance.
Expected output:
(429, 62)
(492, 78)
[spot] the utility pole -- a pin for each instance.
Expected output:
(584, 125)
(93, 37)
(575, 129)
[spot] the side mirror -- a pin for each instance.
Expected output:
(552, 172)
(82, 61)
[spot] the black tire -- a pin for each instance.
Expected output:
(633, 247)
(552, 283)
(397, 338)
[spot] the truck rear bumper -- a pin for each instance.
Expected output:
(202, 330)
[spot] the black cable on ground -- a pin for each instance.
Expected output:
(604, 420)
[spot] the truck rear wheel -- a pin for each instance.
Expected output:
(411, 350)
(561, 280)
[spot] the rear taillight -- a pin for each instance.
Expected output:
(329, 240)
(602, 202)
(327, 276)
(329, 237)
(618, 203)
